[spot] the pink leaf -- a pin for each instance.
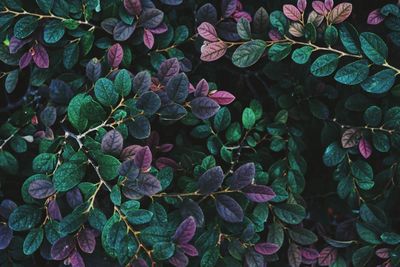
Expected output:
(383, 253)
(365, 148)
(242, 14)
(375, 17)
(165, 148)
(143, 158)
(202, 88)
(329, 4)
(213, 51)
(296, 29)
(189, 250)
(309, 254)
(302, 5)
(76, 260)
(222, 97)
(274, 35)
(327, 256)
(266, 248)
(148, 39)
(115, 55)
(319, 7)
(340, 13)
(133, 7)
(208, 32)
(291, 12)
(160, 29)
(25, 60)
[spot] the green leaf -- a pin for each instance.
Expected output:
(123, 83)
(278, 51)
(25, 26)
(362, 170)
(11, 81)
(310, 32)
(380, 82)
(8, 162)
(71, 55)
(279, 21)
(302, 55)
(210, 257)
(53, 31)
(374, 47)
(333, 155)
(105, 92)
(276, 234)
(324, 65)
(373, 215)
(353, 73)
(108, 167)
(243, 28)
(390, 238)
(349, 37)
(234, 132)
(362, 256)
(248, 118)
(86, 42)
(303, 236)
(44, 163)
(181, 34)
(331, 35)
(75, 111)
(290, 213)
(45, 5)
(381, 142)
(114, 232)
(67, 176)
(24, 217)
(222, 119)
(33, 241)
(115, 195)
(248, 53)
(140, 216)
(163, 250)
(367, 234)
(75, 219)
(373, 116)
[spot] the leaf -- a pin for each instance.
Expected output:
(113, 233)
(149, 102)
(44, 163)
(373, 116)
(229, 209)
(228, 7)
(163, 250)
(204, 107)
(279, 21)
(25, 26)
(248, 53)
(140, 127)
(105, 92)
(362, 170)
(144, 185)
(302, 55)
(333, 155)
(211, 180)
(148, 39)
(244, 29)
(213, 51)
(40, 57)
(380, 82)
(353, 73)
(375, 17)
(303, 236)
(33, 241)
(294, 255)
(327, 256)
(11, 81)
(248, 118)
(8, 162)
(278, 52)
(208, 32)
(62, 248)
(6, 235)
(143, 158)
(168, 69)
(151, 18)
(266, 248)
(222, 97)
(41, 189)
(362, 256)
(350, 138)
(291, 12)
(134, 7)
(243, 176)
(324, 65)
(374, 47)
(24, 218)
(178, 88)
(319, 7)
(86, 240)
(139, 216)
(340, 13)
(350, 39)
(53, 31)
(114, 55)
(71, 55)
(259, 193)
(185, 231)
(67, 176)
(112, 142)
(365, 148)
(390, 238)
(45, 5)
(108, 167)
(122, 32)
(290, 213)
(93, 69)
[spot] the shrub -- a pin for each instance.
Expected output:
(117, 149)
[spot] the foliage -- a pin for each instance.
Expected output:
(125, 153)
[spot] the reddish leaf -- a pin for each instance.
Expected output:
(148, 39)
(185, 231)
(165, 148)
(242, 14)
(302, 5)
(202, 88)
(133, 7)
(340, 13)
(365, 148)
(309, 254)
(222, 97)
(143, 158)
(115, 55)
(25, 60)
(189, 250)
(274, 35)
(329, 4)
(375, 17)
(129, 152)
(291, 12)
(350, 138)
(213, 51)
(266, 248)
(319, 7)
(259, 193)
(40, 56)
(327, 256)
(208, 32)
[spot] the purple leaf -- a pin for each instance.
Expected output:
(202, 88)
(129, 169)
(319, 7)
(86, 240)
(204, 107)
(62, 248)
(141, 82)
(54, 210)
(93, 69)
(144, 185)
(213, 51)
(40, 56)
(340, 13)
(165, 148)
(6, 235)
(309, 254)
(160, 29)
(108, 24)
(123, 31)
(207, 13)
(291, 12)
(329, 4)
(133, 7)
(139, 263)
(229, 209)
(266, 248)
(179, 259)
(163, 162)
(76, 260)
(242, 14)
(350, 138)
(192, 208)
(168, 69)
(177, 88)
(74, 197)
(274, 35)
(302, 5)
(16, 44)
(243, 176)
(259, 193)
(375, 17)
(41, 189)
(114, 55)
(365, 148)
(383, 253)
(112, 142)
(185, 231)
(211, 180)
(189, 249)
(25, 60)
(143, 158)
(208, 32)
(6, 208)
(327, 256)
(222, 97)
(148, 39)
(129, 152)
(228, 7)
(151, 18)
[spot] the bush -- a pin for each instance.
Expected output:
(120, 151)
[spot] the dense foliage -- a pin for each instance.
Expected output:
(199, 133)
